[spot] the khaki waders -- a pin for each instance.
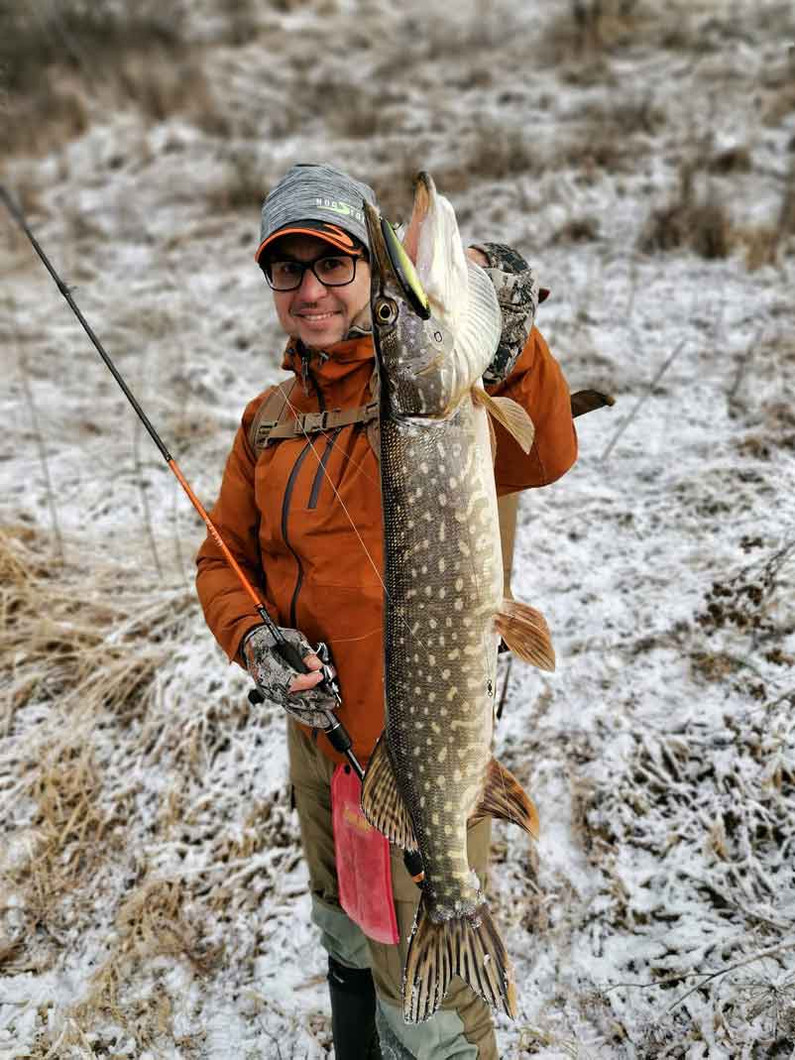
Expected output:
(462, 1029)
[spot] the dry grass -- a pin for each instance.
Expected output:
(763, 243)
(349, 111)
(68, 61)
(243, 186)
(62, 645)
(67, 844)
(591, 28)
(82, 36)
(494, 150)
(735, 159)
(153, 923)
(577, 230)
(82, 655)
(610, 137)
(103, 698)
(692, 219)
(241, 19)
(160, 87)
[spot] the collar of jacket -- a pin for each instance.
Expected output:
(330, 365)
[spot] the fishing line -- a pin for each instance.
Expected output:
(327, 434)
(336, 492)
(348, 516)
(334, 731)
(355, 640)
(514, 818)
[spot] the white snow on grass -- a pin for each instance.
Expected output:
(153, 901)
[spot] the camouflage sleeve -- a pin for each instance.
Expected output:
(517, 292)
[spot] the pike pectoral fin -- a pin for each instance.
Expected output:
(509, 414)
(492, 439)
(526, 633)
(468, 947)
(382, 803)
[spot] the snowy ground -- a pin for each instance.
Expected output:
(152, 898)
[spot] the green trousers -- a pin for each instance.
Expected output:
(462, 1029)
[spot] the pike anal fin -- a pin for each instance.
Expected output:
(509, 414)
(504, 797)
(469, 947)
(382, 803)
(526, 633)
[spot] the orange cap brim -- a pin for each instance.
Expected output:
(337, 237)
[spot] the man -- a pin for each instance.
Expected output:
(300, 509)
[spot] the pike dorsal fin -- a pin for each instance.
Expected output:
(382, 803)
(509, 414)
(526, 633)
(504, 797)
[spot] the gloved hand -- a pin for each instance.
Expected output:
(280, 683)
(517, 293)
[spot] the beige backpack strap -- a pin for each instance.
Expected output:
(507, 509)
(374, 426)
(274, 421)
(275, 408)
(329, 420)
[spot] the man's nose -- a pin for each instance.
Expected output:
(311, 288)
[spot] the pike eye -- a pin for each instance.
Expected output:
(385, 311)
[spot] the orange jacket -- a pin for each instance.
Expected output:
(316, 554)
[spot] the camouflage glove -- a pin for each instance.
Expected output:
(517, 293)
(273, 675)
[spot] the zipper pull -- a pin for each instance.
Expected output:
(305, 371)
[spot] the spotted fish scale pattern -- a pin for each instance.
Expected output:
(444, 584)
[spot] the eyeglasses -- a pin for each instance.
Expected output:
(332, 270)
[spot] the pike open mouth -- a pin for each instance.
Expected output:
(392, 265)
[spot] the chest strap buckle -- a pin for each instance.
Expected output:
(312, 422)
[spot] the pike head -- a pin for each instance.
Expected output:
(436, 320)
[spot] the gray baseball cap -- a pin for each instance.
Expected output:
(317, 200)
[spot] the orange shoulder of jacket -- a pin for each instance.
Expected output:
(537, 383)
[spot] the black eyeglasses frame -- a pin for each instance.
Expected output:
(266, 266)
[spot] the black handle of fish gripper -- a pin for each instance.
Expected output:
(412, 859)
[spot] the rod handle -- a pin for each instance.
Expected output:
(291, 656)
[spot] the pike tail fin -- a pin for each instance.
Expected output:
(526, 633)
(504, 797)
(469, 947)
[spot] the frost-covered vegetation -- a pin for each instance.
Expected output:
(152, 898)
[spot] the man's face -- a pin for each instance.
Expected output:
(319, 316)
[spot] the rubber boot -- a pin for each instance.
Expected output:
(352, 1012)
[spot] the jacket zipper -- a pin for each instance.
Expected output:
(321, 468)
(305, 355)
(306, 379)
(288, 492)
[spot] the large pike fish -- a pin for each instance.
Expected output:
(436, 327)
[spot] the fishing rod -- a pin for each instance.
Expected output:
(337, 734)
